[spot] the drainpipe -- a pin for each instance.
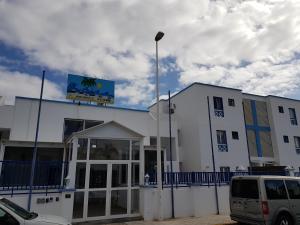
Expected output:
(213, 158)
(171, 158)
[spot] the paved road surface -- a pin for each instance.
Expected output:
(206, 220)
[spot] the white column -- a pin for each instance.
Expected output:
(72, 163)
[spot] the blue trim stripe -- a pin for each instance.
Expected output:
(256, 128)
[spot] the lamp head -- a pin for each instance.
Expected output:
(159, 35)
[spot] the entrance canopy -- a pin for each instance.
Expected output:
(110, 129)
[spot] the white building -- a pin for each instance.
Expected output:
(104, 153)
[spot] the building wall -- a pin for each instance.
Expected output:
(285, 152)
(6, 118)
(23, 118)
(192, 117)
(187, 202)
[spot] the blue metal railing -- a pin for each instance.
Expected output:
(15, 175)
(204, 178)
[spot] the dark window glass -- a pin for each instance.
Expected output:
(222, 141)
(118, 202)
(280, 109)
(293, 187)
(98, 175)
(245, 189)
(235, 135)
(91, 123)
(153, 141)
(293, 117)
(135, 145)
(78, 205)
(119, 175)
(80, 175)
(218, 103)
(221, 137)
(82, 149)
(101, 149)
(286, 139)
(275, 189)
(71, 126)
(297, 144)
(135, 174)
(96, 203)
(135, 201)
(7, 219)
(231, 102)
(17, 209)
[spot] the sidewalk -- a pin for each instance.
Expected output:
(205, 220)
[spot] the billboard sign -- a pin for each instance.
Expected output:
(90, 89)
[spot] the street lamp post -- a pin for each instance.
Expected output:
(158, 37)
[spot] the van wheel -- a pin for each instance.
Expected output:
(284, 219)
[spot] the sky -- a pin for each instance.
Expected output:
(253, 45)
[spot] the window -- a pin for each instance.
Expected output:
(245, 189)
(235, 135)
(75, 125)
(80, 175)
(222, 141)
(280, 109)
(293, 187)
(285, 139)
(293, 117)
(91, 123)
(275, 189)
(231, 102)
(103, 149)
(218, 106)
(225, 169)
(297, 144)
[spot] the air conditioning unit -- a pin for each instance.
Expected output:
(166, 108)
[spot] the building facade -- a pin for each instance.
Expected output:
(106, 152)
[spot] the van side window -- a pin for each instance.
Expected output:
(275, 189)
(245, 189)
(293, 187)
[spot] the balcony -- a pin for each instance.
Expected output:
(219, 113)
(223, 147)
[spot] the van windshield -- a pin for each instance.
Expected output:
(244, 189)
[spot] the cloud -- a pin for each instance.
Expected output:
(22, 84)
(250, 44)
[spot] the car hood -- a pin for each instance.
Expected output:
(49, 219)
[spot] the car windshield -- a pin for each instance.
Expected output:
(18, 210)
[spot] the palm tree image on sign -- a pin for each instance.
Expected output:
(90, 89)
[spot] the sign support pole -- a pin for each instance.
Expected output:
(35, 145)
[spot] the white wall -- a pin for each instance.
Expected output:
(63, 207)
(193, 120)
(188, 201)
(285, 153)
(6, 118)
(25, 111)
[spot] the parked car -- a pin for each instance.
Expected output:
(269, 200)
(12, 214)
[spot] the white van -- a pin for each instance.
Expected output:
(269, 200)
